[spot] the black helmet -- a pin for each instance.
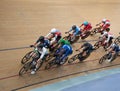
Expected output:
(107, 29)
(41, 38)
(73, 27)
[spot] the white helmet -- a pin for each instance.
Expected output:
(107, 23)
(113, 45)
(53, 30)
(104, 20)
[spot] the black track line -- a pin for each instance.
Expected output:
(8, 49)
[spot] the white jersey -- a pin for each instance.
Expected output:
(43, 52)
(108, 34)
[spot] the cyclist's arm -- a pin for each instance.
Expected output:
(44, 50)
(48, 35)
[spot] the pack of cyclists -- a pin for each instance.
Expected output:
(64, 48)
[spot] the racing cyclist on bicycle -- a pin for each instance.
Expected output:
(87, 48)
(63, 52)
(85, 26)
(75, 31)
(43, 52)
(104, 24)
(108, 37)
(114, 49)
(54, 36)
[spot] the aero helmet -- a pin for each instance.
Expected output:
(53, 30)
(85, 23)
(73, 27)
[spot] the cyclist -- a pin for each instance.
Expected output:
(75, 31)
(87, 48)
(114, 49)
(63, 52)
(104, 24)
(86, 27)
(108, 37)
(43, 41)
(43, 52)
(54, 36)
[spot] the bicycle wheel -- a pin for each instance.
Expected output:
(25, 68)
(117, 40)
(50, 64)
(86, 35)
(102, 59)
(96, 45)
(26, 57)
(72, 59)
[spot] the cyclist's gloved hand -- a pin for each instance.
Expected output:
(66, 32)
(31, 45)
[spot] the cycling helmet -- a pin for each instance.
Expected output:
(113, 45)
(41, 38)
(73, 27)
(107, 29)
(85, 23)
(107, 23)
(53, 30)
(103, 20)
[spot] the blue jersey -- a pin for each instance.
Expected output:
(68, 51)
(116, 48)
(76, 31)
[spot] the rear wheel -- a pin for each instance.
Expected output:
(50, 64)
(86, 35)
(97, 45)
(26, 57)
(25, 68)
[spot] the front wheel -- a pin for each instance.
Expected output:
(26, 57)
(117, 40)
(50, 64)
(25, 68)
(102, 59)
(97, 45)
(72, 59)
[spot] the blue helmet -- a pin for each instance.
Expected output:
(85, 23)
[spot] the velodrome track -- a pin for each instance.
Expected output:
(23, 21)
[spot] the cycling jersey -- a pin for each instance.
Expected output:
(46, 43)
(63, 42)
(87, 47)
(87, 28)
(43, 52)
(76, 31)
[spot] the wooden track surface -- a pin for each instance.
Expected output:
(23, 21)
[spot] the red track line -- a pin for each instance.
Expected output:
(3, 78)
